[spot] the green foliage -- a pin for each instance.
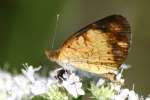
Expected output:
(102, 93)
(38, 98)
(56, 94)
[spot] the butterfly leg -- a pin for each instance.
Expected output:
(112, 78)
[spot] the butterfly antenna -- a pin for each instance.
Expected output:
(56, 25)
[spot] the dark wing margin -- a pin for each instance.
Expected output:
(104, 25)
(117, 25)
(118, 31)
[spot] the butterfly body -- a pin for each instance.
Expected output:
(100, 47)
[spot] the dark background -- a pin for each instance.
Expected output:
(27, 28)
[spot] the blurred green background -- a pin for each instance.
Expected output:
(27, 28)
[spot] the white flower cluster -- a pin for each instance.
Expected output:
(30, 84)
(73, 85)
(19, 86)
(112, 91)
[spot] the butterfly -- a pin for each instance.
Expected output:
(100, 47)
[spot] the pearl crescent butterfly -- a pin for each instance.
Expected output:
(100, 47)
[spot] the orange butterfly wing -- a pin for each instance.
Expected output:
(100, 47)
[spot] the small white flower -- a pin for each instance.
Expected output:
(124, 66)
(116, 87)
(22, 83)
(50, 82)
(122, 95)
(147, 98)
(5, 80)
(119, 75)
(29, 72)
(133, 95)
(39, 87)
(15, 93)
(100, 82)
(73, 85)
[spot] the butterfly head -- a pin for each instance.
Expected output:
(52, 54)
(59, 58)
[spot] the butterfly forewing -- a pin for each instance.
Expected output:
(100, 47)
